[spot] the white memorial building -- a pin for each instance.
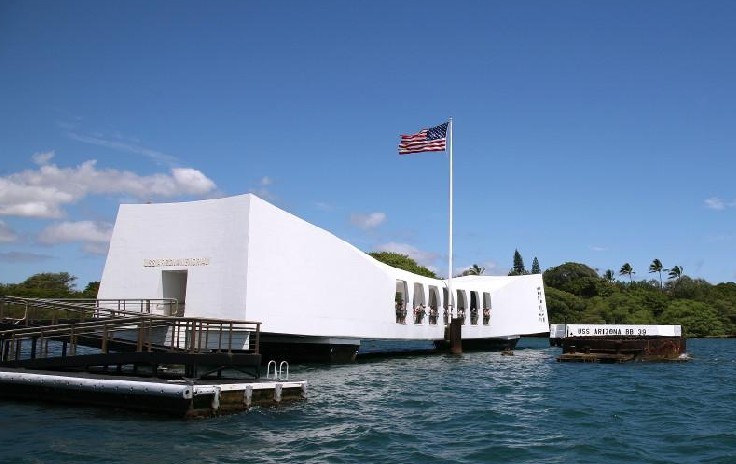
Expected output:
(316, 296)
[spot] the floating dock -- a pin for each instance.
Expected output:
(179, 398)
(618, 343)
(119, 354)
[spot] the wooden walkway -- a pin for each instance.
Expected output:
(125, 339)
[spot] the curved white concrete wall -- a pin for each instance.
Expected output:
(518, 304)
(304, 280)
(246, 259)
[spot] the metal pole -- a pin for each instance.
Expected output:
(451, 296)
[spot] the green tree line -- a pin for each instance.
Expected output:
(577, 294)
(49, 285)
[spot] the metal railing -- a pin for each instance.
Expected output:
(24, 311)
(143, 333)
(157, 306)
(127, 324)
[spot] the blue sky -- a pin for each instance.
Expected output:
(594, 132)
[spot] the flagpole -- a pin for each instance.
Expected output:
(451, 296)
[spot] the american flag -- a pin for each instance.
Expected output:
(432, 139)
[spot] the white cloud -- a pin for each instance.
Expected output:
(720, 238)
(597, 248)
(489, 268)
(42, 158)
(718, 203)
(7, 234)
(20, 257)
(126, 145)
(493, 269)
(19, 198)
(192, 181)
(96, 248)
(424, 258)
(367, 221)
(43, 192)
(262, 190)
(81, 231)
(714, 203)
(324, 206)
(432, 262)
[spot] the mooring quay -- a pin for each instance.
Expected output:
(121, 354)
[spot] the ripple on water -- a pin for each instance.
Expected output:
(474, 408)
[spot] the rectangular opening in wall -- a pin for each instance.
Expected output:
(174, 285)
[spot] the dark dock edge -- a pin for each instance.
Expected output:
(182, 398)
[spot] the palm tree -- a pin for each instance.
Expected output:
(656, 266)
(609, 275)
(474, 270)
(675, 273)
(626, 269)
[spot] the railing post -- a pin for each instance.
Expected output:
(202, 336)
(139, 346)
(230, 339)
(73, 342)
(175, 334)
(17, 348)
(258, 337)
(104, 339)
(150, 335)
(193, 338)
(199, 339)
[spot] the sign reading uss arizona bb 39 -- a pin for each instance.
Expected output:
(622, 330)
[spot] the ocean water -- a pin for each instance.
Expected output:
(473, 408)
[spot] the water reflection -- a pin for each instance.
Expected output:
(477, 407)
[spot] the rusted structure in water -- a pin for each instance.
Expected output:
(618, 343)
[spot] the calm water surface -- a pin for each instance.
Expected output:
(475, 408)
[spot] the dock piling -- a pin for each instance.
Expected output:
(456, 337)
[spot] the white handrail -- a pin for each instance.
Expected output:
(281, 377)
(268, 370)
